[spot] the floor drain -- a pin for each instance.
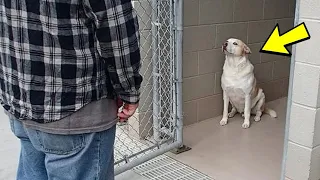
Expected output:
(167, 168)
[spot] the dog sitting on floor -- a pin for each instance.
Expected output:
(239, 85)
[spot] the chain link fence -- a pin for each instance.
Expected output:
(156, 127)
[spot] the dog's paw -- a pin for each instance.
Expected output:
(223, 122)
(257, 118)
(231, 115)
(246, 125)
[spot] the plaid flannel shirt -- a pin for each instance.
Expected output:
(58, 55)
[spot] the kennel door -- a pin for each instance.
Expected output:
(153, 130)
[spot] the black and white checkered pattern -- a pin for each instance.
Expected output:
(58, 55)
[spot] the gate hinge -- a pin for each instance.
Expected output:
(126, 158)
(179, 28)
(156, 24)
(177, 81)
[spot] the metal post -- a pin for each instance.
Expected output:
(173, 123)
(178, 65)
(155, 70)
(179, 36)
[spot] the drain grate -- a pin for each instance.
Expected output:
(167, 168)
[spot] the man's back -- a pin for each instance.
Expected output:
(62, 64)
(57, 56)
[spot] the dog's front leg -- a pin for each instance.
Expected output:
(247, 111)
(233, 112)
(224, 120)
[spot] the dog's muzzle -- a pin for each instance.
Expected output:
(224, 46)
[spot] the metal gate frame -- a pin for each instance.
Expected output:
(175, 128)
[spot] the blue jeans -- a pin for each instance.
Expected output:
(64, 157)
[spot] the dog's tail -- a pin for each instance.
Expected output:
(271, 112)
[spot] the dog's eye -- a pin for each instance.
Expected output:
(235, 43)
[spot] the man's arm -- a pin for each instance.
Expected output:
(118, 39)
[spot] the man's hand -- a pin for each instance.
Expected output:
(127, 110)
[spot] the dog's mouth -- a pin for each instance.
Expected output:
(225, 50)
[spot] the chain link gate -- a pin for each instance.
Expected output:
(156, 128)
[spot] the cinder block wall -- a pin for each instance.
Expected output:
(208, 23)
(303, 152)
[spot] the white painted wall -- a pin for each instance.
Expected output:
(302, 153)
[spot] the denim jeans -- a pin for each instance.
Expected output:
(64, 157)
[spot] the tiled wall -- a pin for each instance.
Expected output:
(303, 152)
(208, 23)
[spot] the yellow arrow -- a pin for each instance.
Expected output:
(276, 43)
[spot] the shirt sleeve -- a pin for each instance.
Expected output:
(117, 33)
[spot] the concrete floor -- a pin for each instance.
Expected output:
(9, 149)
(224, 153)
(130, 175)
(233, 153)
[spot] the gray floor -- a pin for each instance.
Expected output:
(130, 175)
(233, 153)
(9, 149)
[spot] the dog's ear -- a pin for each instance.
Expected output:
(222, 49)
(246, 49)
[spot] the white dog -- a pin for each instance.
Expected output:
(239, 85)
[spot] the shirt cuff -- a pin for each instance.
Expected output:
(132, 97)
